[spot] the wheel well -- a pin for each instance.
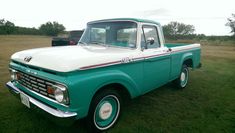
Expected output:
(122, 90)
(188, 62)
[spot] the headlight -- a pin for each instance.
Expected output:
(60, 93)
(13, 74)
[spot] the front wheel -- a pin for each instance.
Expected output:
(104, 111)
(182, 80)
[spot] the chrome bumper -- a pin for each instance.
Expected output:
(55, 112)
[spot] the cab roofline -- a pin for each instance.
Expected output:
(126, 19)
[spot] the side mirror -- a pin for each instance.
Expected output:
(150, 40)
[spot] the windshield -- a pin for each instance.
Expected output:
(121, 34)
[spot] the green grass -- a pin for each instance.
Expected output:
(206, 105)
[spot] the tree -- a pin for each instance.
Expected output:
(231, 24)
(6, 27)
(51, 28)
(176, 28)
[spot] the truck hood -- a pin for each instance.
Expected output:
(70, 58)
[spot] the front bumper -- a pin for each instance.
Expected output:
(58, 113)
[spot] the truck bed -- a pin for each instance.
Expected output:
(182, 47)
(179, 52)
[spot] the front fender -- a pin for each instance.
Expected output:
(119, 77)
(87, 84)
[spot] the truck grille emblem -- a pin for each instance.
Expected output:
(27, 58)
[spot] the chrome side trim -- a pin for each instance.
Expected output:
(55, 112)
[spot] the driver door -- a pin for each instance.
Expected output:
(156, 59)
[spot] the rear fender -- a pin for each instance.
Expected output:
(186, 56)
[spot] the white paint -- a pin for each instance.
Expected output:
(70, 58)
(186, 47)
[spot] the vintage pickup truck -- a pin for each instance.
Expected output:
(115, 59)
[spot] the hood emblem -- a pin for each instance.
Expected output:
(27, 58)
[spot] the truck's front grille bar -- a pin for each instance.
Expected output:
(36, 84)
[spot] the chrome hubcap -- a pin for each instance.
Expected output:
(105, 111)
(182, 77)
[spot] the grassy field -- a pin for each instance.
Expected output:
(206, 105)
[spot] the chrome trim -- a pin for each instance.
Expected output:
(25, 68)
(37, 93)
(55, 112)
(47, 98)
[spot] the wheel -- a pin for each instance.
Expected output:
(182, 80)
(104, 111)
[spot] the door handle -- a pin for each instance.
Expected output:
(169, 50)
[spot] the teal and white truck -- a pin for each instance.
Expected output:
(115, 59)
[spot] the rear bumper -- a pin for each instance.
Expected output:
(58, 113)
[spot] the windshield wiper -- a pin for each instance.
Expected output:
(96, 42)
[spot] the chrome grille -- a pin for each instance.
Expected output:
(35, 84)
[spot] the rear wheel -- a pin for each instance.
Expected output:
(104, 111)
(182, 80)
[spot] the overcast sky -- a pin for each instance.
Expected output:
(208, 16)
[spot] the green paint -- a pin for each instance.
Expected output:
(137, 77)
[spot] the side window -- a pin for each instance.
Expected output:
(150, 32)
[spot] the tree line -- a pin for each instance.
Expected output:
(49, 29)
(172, 31)
(180, 31)
(176, 30)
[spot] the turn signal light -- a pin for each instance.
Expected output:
(50, 90)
